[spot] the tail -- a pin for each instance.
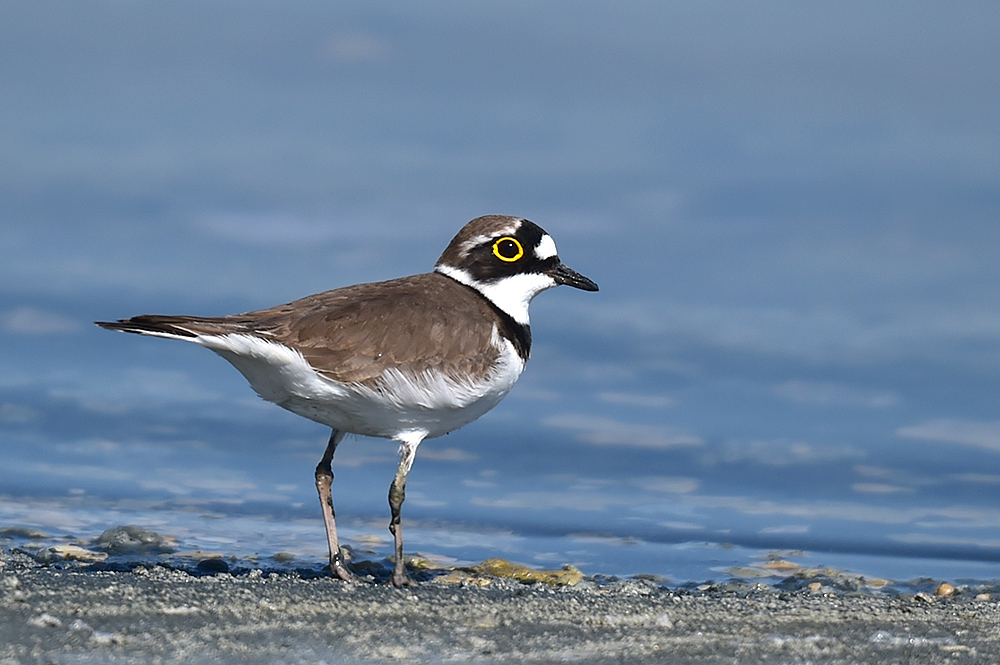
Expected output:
(173, 327)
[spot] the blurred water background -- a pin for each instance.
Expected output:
(791, 209)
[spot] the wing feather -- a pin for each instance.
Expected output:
(355, 333)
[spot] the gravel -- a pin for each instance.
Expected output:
(80, 612)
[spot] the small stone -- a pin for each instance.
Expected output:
(45, 620)
(815, 586)
(982, 596)
(944, 589)
(70, 553)
(215, 565)
(133, 540)
(101, 638)
(875, 582)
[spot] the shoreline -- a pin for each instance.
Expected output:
(75, 612)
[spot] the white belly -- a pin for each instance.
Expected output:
(400, 404)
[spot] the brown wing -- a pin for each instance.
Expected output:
(357, 332)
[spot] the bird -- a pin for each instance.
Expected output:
(406, 359)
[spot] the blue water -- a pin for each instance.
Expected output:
(165, 435)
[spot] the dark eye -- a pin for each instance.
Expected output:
(508, 249)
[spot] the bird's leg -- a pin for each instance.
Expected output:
(397, 493)
(324, 482)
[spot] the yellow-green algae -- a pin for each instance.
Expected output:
(482, 573)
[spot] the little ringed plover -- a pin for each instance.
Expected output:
(405, 359)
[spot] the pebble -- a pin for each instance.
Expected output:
(134, 540)
(45, 620)
(213, 565)
(70, 553)
(944, 589)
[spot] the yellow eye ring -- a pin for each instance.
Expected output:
(508, 249)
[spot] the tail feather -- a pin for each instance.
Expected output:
(162, 326)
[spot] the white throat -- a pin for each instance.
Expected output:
(511, 294)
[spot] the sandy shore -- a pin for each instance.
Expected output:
(78, 613)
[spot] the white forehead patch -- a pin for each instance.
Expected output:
(546, 248)
(509, 230)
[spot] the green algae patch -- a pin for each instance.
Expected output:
(496, 567)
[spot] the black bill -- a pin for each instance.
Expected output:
(570, 277)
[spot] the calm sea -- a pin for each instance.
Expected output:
(105, 430)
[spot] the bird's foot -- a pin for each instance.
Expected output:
(346, 575)
(340, 570)
(400, 577)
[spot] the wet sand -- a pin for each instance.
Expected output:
(70, 612)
